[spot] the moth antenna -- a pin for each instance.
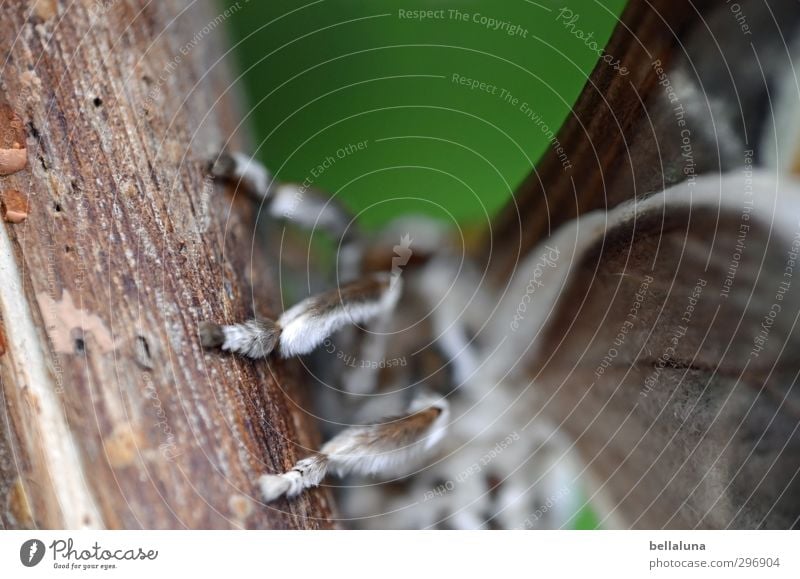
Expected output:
(384, 447)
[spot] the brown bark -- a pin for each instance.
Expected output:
(112, 415)
(611, 141)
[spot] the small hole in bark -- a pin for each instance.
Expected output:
(67, 249)
(34, 131)
(98, 102)
(142, 353)
(42, 163)
(78, 340)
(57, 207)
(144, 345)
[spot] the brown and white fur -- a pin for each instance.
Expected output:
(440, 381)
(455, 437)
(453, 441)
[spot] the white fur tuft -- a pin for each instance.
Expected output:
(307, 473)
(372, 450)
(254, 338)
(303, 329)
(274, 486)
(252, 173)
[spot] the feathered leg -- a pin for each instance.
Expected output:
(384, 447)
(305, 326)
(297, 203)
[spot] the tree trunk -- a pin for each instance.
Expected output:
(596, 168)
(621, 140)
(112, 415)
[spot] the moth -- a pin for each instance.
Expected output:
(664, 326)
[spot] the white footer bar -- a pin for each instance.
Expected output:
(414, 555)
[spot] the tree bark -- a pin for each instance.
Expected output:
(621, 140)
(596, 168)
(112, 415)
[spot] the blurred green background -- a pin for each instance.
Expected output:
(359, 98)
(323, 76)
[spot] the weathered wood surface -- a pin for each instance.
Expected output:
(111, 414)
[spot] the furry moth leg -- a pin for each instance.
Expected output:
(373, 449)
(305, 325)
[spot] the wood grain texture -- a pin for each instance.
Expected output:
(112, 415)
